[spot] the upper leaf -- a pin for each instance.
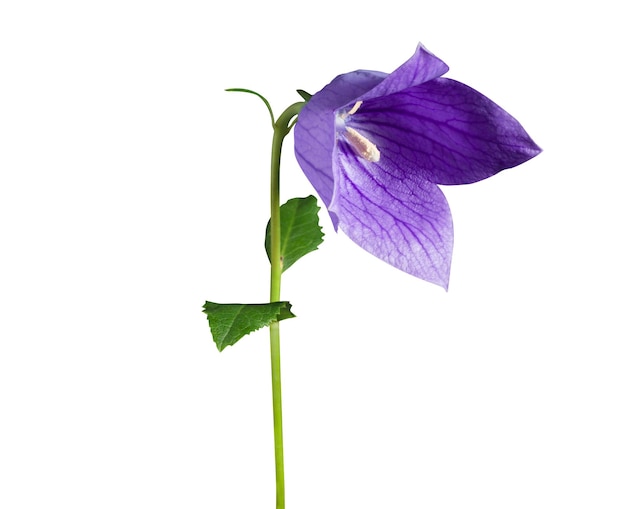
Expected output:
(300, 232)
(230, 322)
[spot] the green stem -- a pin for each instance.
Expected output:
(281, 128)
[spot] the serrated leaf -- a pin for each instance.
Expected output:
(300, 232)
(230, 322)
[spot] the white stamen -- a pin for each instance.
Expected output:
(356, 106)
(364, 147)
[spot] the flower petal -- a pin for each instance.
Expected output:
(395, 215)
(421, 67)
(314, 133)
(446, 131)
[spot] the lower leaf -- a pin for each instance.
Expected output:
(230, 322)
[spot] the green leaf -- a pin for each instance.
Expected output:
(300, 232)
(230, 322)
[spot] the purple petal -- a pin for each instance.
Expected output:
(446, 131)
(314, 133)
(421, 67)
(395, 215)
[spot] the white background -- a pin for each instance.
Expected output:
(133, 188)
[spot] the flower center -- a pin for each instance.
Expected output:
(361, 145)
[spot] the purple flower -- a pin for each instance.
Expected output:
(376, 145)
